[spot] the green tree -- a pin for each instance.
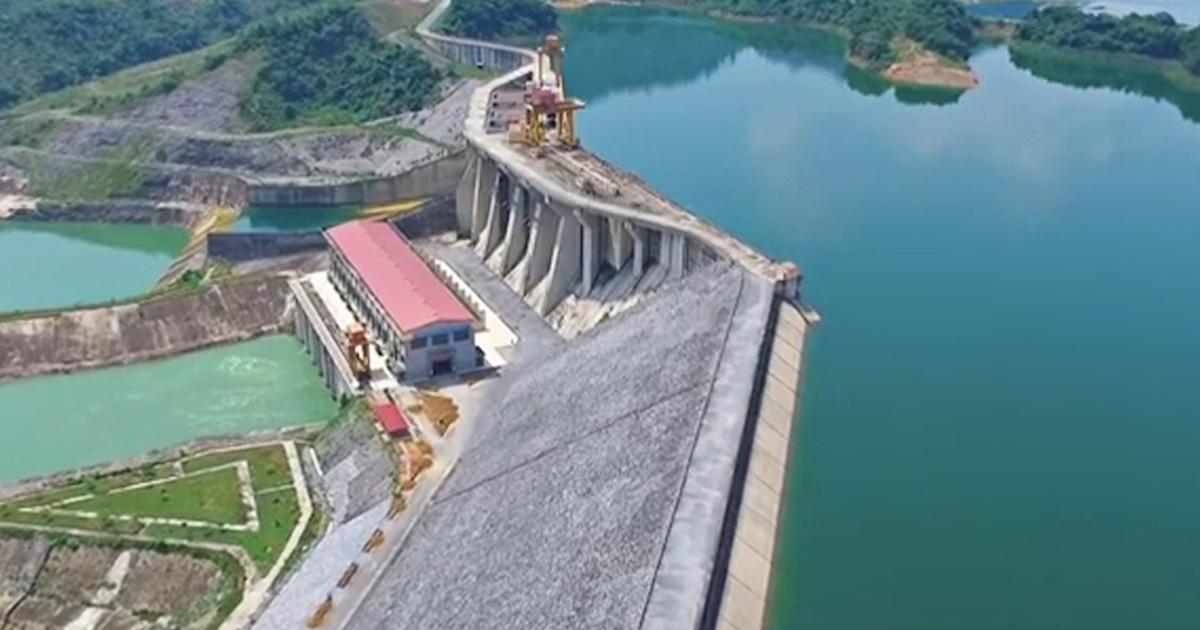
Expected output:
(328, 66)
(1066, 26)
(497, 19)
(942, 26)
(49, 45)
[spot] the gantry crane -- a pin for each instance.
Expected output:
(548, 108)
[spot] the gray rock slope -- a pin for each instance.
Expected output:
(558, 513)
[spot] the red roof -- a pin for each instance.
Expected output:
(411, 295)
(390, 417)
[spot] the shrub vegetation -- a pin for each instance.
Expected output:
(942, 26)
(500, 19)
(1157, 36)
(327, 66)
(47, 45)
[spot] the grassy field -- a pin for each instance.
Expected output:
(64, 521)
(268, 465)
(278, 507)
(212, 497)
(93, 485)
(278, 513)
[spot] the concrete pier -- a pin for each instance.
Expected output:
(321, 343)
(544, 230)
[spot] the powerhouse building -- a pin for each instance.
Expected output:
(415, 319)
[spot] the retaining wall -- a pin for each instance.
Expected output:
(433, 217)
(112, 212)
(431, 179)
(245, 246)
(208, 187)
(156, 327)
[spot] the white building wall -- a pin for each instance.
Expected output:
(418, 361)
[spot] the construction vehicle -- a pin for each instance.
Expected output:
(358, 351)
(549, 112)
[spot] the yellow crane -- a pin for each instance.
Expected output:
(548, 107)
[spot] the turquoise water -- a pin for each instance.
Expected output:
(293, 218)
(57, 423)
(998, 421)
(46, 265)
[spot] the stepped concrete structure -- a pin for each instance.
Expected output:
(627, 467)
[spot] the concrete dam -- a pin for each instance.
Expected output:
(626, 468)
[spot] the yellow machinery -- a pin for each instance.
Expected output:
(398, 506)
(317, 619)
(358, 351)
(548, 107)
(348, 575)
(374, 541)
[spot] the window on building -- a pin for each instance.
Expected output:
(440, 339)
(419, 342)
(462, 334)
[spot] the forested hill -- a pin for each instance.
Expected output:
(500, 19)
(49, 44)
(942, 26)
(1158, 36)
(328, 66)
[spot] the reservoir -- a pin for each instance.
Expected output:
(56, 423)
(998, 428)
(49, 265)
(293, 218)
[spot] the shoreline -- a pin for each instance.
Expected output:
(1170, 70)
(920, 67)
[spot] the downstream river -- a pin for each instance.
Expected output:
(47, 265)
(55, 423)
(1000, 419)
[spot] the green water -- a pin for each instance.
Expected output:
(56, 423)
(1000, 409)
(293, 218)
(47, 265)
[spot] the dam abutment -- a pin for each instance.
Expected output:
(431, 179)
